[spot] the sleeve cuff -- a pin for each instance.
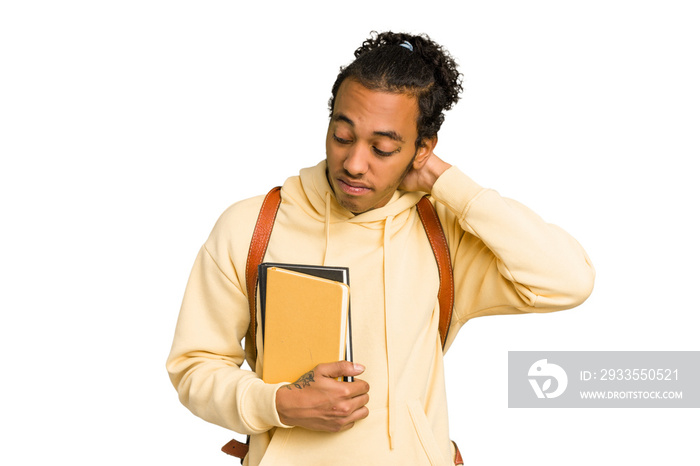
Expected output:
(259, 410)
(456, 190)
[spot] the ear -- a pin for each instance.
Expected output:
(424, 152)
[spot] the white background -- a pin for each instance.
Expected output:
(127, 127)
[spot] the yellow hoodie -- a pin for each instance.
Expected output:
(506, 260)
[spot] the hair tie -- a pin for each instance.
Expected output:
(406, 44)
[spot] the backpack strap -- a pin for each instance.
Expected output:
(258, 246)
(438, 242)
(256, 253)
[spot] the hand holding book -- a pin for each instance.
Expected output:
(318, 401)
(306, 324)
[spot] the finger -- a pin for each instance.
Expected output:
(347, 426)
(358, 415)
(358, 403)
(353, 410)
(357, 388)
(337, 369)
(361, 400)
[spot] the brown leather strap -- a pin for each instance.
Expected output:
(236, 448)
(458, 455)
(436, 236)
(258, 246)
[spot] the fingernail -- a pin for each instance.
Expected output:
(358, 367)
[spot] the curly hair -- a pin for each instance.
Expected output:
(419, 67)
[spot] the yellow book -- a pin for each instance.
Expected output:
(306, 320)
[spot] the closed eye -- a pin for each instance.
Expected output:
(376, 150)
(383, 153)
(341, 140)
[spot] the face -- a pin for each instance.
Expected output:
(370, 145)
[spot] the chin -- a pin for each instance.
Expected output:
(352, 207)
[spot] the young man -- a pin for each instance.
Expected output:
(357, 209)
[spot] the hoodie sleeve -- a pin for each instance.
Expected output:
(506, 259)
(206, 356)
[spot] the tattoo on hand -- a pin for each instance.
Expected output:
(304, 381)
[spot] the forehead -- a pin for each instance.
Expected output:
(376, 110)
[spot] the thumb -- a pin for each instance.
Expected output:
(339, 369)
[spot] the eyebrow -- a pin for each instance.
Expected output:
(393, 135)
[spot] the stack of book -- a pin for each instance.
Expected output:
(305, 318)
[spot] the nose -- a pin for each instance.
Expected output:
(356, 162)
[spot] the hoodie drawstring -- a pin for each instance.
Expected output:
(327, 226)
(387, 325)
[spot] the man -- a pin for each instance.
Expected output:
(357, 209)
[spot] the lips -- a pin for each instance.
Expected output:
(353, 188)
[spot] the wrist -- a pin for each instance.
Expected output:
(282, 399)
(434, 168)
